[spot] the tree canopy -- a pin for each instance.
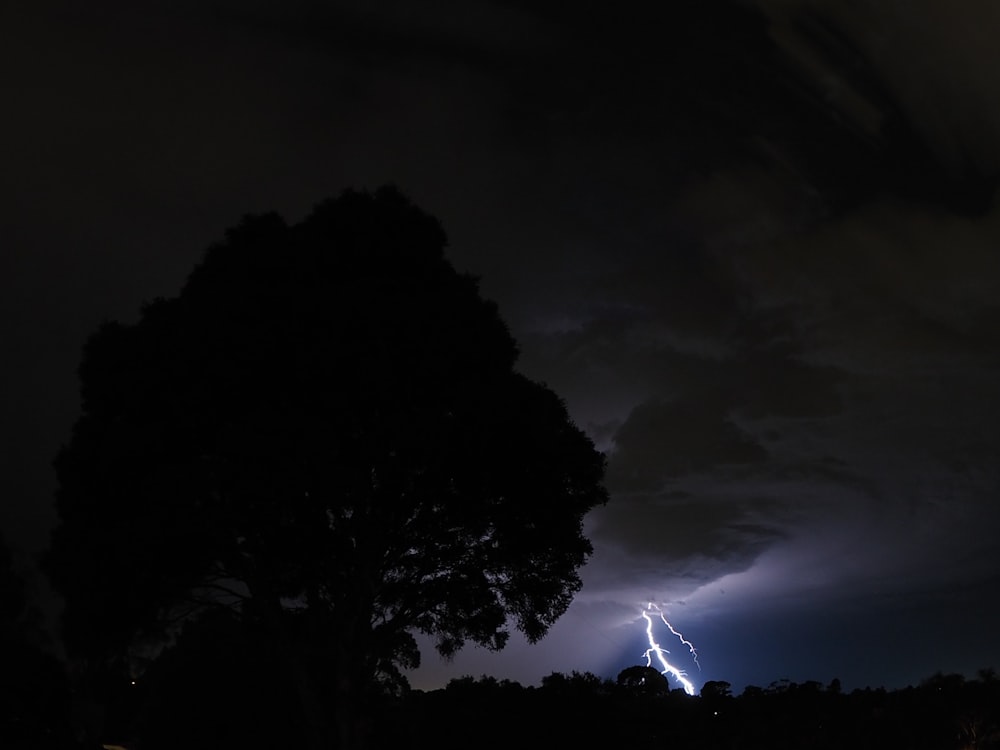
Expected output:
(325, 429)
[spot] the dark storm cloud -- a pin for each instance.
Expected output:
(660, 440)
(753, 244)
(792, 90)
(893, 287)
(670, 530)
(846, 332)
(758, 371)
(936, 63)
(812, 297)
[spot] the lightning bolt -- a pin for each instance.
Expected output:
(656, 649)
(680, 637)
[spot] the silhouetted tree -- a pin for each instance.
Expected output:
(581, 710)
(324, 432)
(643, 681)
(577, 685)
(716, 689)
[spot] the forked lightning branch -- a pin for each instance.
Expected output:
(660, 653)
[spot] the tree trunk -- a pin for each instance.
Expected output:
(315, 723)
(351, 711)
(293, 664)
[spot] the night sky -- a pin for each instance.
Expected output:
(755, 246)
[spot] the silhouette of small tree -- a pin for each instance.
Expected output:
(643, 681)
(716, 690)
(324, 433)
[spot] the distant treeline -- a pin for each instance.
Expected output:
(583, 710)
(211, 702)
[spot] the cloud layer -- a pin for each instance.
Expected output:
(752, 245)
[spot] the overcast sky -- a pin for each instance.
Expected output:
(753, 245)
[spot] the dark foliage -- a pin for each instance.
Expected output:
(585, 711)
(183, 707)
(323, 433)
(643, 681)
(218, 687)
(34, 692)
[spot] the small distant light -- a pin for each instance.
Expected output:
(714, 713)
(133, 682)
